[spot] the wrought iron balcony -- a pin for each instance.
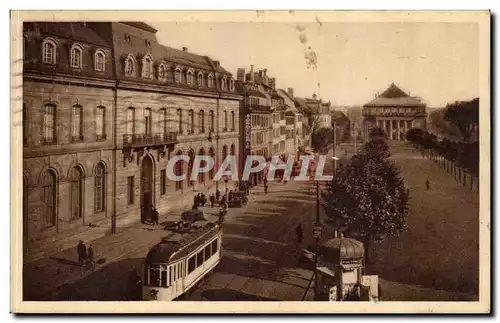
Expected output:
(147, 140)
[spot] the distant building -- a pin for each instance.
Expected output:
(395, 112)
(294, 132)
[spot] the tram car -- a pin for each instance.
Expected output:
(179, 261)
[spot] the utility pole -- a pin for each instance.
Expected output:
(316, 257)
(334, 146)
(355, 137)
(217, 141)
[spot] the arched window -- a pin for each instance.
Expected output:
(203, 163)
(100, 188)
(76, 56)
(162, 72)
(190, 167)
(233, 150)
(211, 172)
(190, 79)
(49, 51)
(224, 153)
(231, 85)
(211, 121)
(202, 121)
(210, 81)
(76, 193)
(178, 75)
(223, 83)
(77, 120)
(130, 66)
(49, 123)
(225, 121)
(200, 79)
(49, 187)
(179, 120)
(178, 171)
(147, 67)
(99, 61)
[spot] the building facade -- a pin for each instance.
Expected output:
(105, 108)
(395, 112)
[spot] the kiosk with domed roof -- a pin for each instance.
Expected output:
(339, 271)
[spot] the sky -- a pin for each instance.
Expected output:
(346, 63)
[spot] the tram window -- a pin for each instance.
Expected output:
(207, 252)
(175, 273)
(181, 271)
(191, 264)
(154, 275)
(214, 246)
(171, 275)
(163, 277)
(199, 259)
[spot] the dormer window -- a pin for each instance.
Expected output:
(210, 81)
(200, 79)
(178, 75)
(49, 51)
(99, 61)
(231, 85)
(148, 43)
(162, 72)
(76, 56)
(130, 66)
(223, 83)
(147, 67)
(190, 78)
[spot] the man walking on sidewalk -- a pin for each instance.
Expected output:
(427, 184)
(81, 249)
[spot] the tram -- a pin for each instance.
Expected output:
(179, 261)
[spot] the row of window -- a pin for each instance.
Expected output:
(165, 275)
(396, 110)
(50, 197)
(201, 121)
(258, 138)
(181, 76)
(260, 120)
(49, 55)
(50, 125)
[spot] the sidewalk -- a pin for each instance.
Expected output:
(54, 268)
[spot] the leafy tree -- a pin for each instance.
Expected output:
(367, 199)
(376, 148)
(377, 133)
(463, 114)
(321, 139)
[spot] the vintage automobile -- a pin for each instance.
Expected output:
(238, 199)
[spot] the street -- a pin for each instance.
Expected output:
(261, 257)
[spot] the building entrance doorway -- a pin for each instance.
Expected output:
(147, 187)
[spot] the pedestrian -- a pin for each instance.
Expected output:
(223, 200)
(265, 189)
(154, 216)
(82, 253)
(217, 195)
(90, 258)
(203, 199)
(212, 200)
(427, 184)
(298, 231)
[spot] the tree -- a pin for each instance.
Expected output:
(367, 199)
(321, 139)
(463, 114)
(377, 133)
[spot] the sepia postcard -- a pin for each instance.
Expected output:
(250, 162)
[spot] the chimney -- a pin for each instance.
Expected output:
(184, 49)
(290, 92)
(335, 234)
(272, 83)
(314, 96)
(240, 75)
(217, 63)
(265, 72)
(252, 74)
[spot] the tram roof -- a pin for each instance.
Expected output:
(177, 245)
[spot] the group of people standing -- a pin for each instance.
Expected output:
(85, 255)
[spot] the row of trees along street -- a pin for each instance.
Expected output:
(367, 198)
(463, 116)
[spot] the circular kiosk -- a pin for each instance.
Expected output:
(339, 268)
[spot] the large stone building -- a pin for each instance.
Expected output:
(395, 112)
(294, 131)
(105, 108)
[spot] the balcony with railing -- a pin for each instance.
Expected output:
(257, 107)
(149, 140)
